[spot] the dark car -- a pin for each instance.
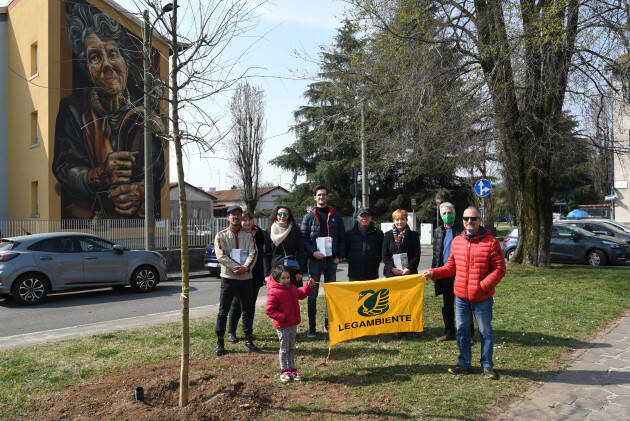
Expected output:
(601, 228)
(31, 266)
(571, 244)
(210, 261)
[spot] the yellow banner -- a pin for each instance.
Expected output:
(366, 308)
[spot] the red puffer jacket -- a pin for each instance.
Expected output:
(478, 266)
(282, 303)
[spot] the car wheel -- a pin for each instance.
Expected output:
(214, 272)
(144, 279)
(596, 258)
(509, 254)
(30, 289)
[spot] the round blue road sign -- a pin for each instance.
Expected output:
(482, 187)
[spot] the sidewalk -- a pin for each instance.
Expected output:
(596, 386)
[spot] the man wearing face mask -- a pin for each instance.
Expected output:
(442, 240)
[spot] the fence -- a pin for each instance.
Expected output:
(130, 232)
(126, 232)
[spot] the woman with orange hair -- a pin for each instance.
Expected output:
(401, 250)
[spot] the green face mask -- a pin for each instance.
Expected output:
(448, 218)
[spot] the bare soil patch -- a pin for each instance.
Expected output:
(235, 387)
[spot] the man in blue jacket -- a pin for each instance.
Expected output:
(325, 223)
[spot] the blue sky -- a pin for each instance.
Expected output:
(288, 26)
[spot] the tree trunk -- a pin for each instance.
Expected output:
(183, 216)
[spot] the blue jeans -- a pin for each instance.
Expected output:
(316, 268)
(464, 311)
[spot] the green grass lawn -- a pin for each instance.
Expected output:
(539, 316)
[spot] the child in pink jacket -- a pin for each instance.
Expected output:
(284, 309)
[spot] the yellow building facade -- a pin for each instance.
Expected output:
(73, 112)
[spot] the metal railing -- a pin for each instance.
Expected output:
(126, 232)
(130, 232)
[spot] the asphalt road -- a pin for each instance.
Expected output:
(70, 314)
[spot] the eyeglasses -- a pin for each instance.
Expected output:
(321, 195)
(283, 214)
(470, 218)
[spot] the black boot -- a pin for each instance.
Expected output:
(220, 349)
(249, 343)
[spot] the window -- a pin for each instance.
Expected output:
(34, 129)
(34, 200)
(7, 245)
(92, 245)
(55, 245)
(34, 69)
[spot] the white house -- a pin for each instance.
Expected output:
(268, 197)
(200, 204)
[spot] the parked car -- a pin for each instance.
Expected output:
(31, 266)
(601, 228)
(210, 261)
(571, 244)
(606, 222)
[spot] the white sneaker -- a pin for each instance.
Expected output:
(296, 376)
(286, 376)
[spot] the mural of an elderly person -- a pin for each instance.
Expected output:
(98, 157)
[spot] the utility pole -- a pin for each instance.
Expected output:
(149, 216)
(365, 198)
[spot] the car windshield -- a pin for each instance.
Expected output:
(613, 227)
(6, 244)
(579, 230)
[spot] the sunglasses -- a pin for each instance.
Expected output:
(283, 213)
(470, 218)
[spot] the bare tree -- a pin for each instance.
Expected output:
(246, 144)
(200, 68)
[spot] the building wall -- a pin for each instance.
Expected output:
(198, 205)
(28, 23)
(269, 200)
(621, 126)
(4, 156)
(43, 22)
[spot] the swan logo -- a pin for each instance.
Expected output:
(373, 303)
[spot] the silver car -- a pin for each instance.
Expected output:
(31, 266)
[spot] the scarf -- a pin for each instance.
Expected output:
(279, 232)
(399, 237)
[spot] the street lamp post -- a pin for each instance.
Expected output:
(149, 199)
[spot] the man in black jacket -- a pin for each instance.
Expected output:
(363, 248)
(442, 239)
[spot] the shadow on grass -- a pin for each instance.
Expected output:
(404, 372)
(542, 339)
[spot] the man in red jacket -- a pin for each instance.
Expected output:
(477, 262)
